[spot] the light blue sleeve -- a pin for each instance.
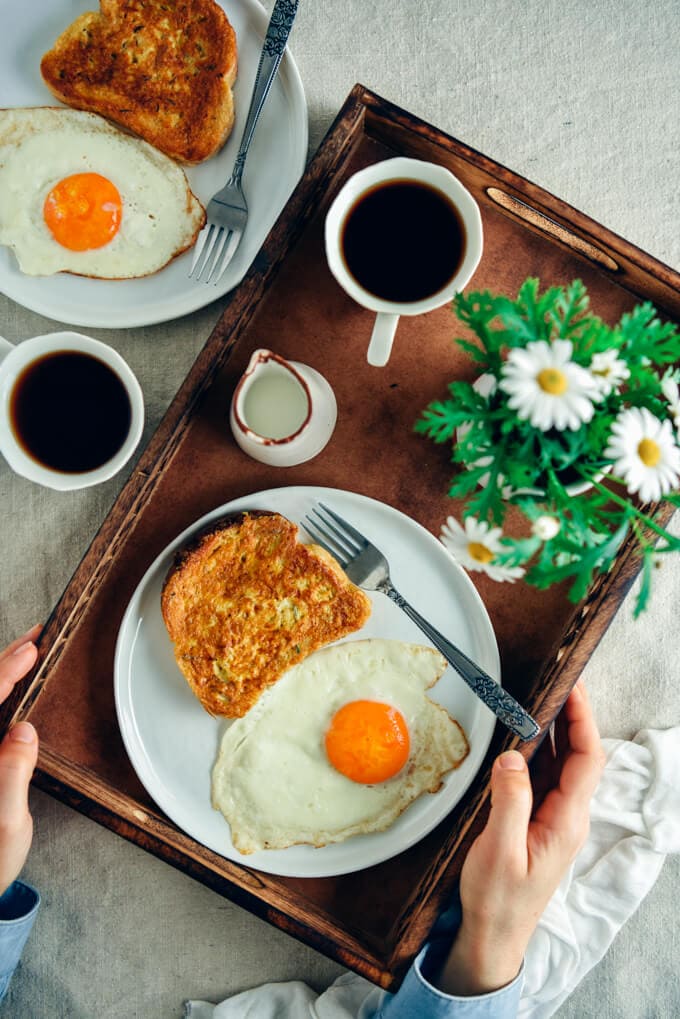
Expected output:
(18, 910)
(418, 998)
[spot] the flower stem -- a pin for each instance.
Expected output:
(640, 535)
(633, 509)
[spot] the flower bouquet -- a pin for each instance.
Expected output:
(573, 422)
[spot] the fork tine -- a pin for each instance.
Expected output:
(229, 252)
(209, 245)
(222, 235)
(325, 540)
(213, 255)
(350, 532)
(198, 246)
(342, 540)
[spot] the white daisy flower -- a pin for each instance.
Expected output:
(608, 371)
(547, 388)
(669, 388)
(475, 546)
(644, 453)
(545, 527)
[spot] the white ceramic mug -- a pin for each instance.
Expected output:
(14, 360)
(388, 312)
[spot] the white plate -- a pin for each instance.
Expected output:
(275, 163)
(172, 742)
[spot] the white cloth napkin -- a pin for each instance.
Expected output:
(635, 823)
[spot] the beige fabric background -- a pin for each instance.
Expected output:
(580, 96)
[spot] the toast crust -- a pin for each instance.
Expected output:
(246, 601)
(162, 69)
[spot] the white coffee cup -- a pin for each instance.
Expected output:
(15, 360)
(388, 311)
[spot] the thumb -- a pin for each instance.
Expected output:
(18, 757)
(511, 802)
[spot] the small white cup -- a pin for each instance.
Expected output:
(388, 312)
(15, 359)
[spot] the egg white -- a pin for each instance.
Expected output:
(273, 781)
(39, 146)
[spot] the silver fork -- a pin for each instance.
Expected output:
(227, 212)
(368, 568)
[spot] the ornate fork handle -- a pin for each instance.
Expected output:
(503, 705)
(278, 30)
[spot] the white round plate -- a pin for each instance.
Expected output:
(172, 742)
(275, 164)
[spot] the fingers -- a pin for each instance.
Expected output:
(565, 811)
(545, 768)
(30, 635)
(16, 662)
(511, 801)
(561, 735)
(583, 766)
(18, 756)
(583, 732)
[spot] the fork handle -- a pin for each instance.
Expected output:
(275, 40)
(503, 705)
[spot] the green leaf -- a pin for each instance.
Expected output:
(487, 501)
(519, 551)
(646, 337)
(642, 599)
(476, 352)
(487, 504)
(438, 421)
(580, 564)
(466, 482)
(478, 309)
(571, 305)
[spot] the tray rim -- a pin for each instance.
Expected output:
(384, 962)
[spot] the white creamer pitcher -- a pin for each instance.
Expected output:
(282, 412)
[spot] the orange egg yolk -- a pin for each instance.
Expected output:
(83, 211)
(368, 741)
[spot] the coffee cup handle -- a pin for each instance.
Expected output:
(5, 348)
(380, 347)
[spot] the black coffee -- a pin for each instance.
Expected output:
(70, 411)
(403, 241)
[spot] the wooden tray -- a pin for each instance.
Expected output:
(373, 921)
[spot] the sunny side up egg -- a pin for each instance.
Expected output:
(340, 746)
(79, 196)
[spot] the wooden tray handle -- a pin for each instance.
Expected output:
(550, 226)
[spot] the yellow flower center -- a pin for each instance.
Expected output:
(553, 381)
(649, 452)
(480, 553)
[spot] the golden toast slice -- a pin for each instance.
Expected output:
(163, 69)
(246, 601)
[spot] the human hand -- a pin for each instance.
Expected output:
(515, 865)
(18, 756)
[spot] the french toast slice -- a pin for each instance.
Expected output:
(246, 601)
(163, 69)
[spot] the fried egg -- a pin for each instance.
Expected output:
(340, 746)
(79, 196)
